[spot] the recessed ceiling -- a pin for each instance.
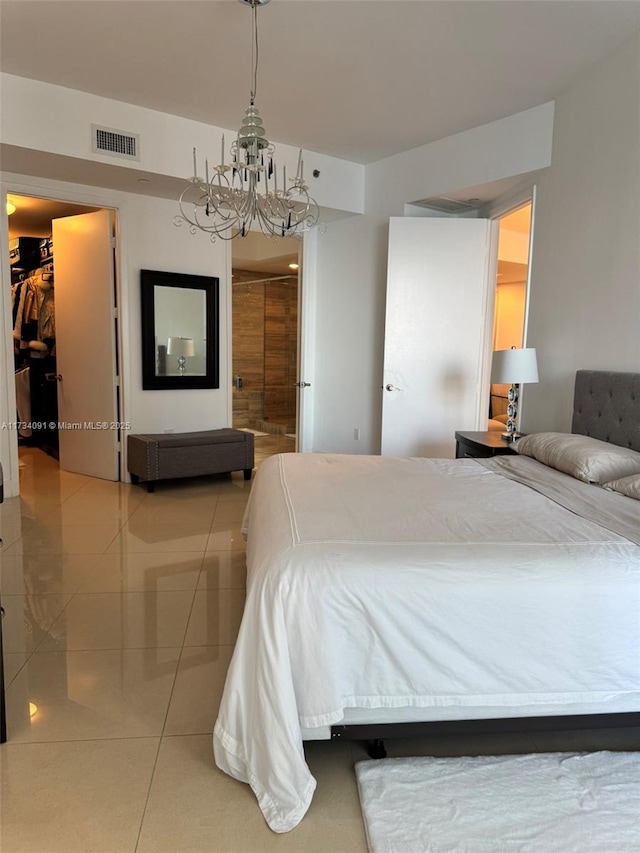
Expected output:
(272, 255)
(356, 79)
(271, 266)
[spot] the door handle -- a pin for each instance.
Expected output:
(52, 377)
(301, 384)
(391, 387)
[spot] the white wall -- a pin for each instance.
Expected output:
(513, 246)
(585, 284)
(153, 242)
(165, 145)
(149, 241)
(352, 264)
(349, 323)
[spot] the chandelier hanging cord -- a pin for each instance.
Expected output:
(254, 52)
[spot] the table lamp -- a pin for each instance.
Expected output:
(513, 367)
(183, 348)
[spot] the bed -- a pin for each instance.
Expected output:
(386, 591)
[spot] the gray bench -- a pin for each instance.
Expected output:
(188, 454)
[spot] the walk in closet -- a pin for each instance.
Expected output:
(34, 340)
(63, 325)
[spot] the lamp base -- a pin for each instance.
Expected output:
(512, 416)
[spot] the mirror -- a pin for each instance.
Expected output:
(180, 346)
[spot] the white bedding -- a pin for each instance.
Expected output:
(378, 582)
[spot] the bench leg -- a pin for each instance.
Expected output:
(247, 473)
(150, 486)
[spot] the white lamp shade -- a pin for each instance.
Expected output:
(181, 347)
(514, 366)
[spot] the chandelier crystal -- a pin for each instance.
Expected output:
(247, 190)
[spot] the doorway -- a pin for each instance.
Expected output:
(266, 275)
(62, 322)
(514, 241)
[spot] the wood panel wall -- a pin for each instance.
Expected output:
(264, 349)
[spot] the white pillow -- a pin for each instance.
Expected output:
(629, 486)
(580, 456)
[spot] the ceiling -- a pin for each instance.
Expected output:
(356, 79)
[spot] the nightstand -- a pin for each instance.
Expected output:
(481, 445)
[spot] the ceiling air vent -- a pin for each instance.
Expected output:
(115, 143)
(447, 205)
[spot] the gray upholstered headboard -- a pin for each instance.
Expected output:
(606, 405)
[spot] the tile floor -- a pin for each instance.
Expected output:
(121, 613)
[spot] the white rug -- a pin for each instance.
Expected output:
(252, 431)
(547, 803)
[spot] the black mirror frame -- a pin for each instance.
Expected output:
(149, 280)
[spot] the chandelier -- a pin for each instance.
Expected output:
(233, 196)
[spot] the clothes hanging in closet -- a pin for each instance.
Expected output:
(33, 309)
(23, 401)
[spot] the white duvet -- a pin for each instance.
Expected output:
(378, 582)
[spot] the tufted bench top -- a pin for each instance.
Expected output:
(195, 439)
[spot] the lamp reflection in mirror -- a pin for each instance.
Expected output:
(513, 367)
(183, 348)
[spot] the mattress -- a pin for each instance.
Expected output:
(421, 585)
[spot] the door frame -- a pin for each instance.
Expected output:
(305, 355)
(495, 210)
(306, 341)
(74, 194)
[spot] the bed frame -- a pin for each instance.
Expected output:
(606, 406)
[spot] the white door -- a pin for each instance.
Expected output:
(436, 341)
(85, 344)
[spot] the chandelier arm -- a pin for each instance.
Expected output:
(192, 209)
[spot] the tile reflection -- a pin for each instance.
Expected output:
(29, 620)
(223, 570)
(215, 617)
(46, 574)
(143, 572)
(91, 694)
(116, 621)
(138, 537)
